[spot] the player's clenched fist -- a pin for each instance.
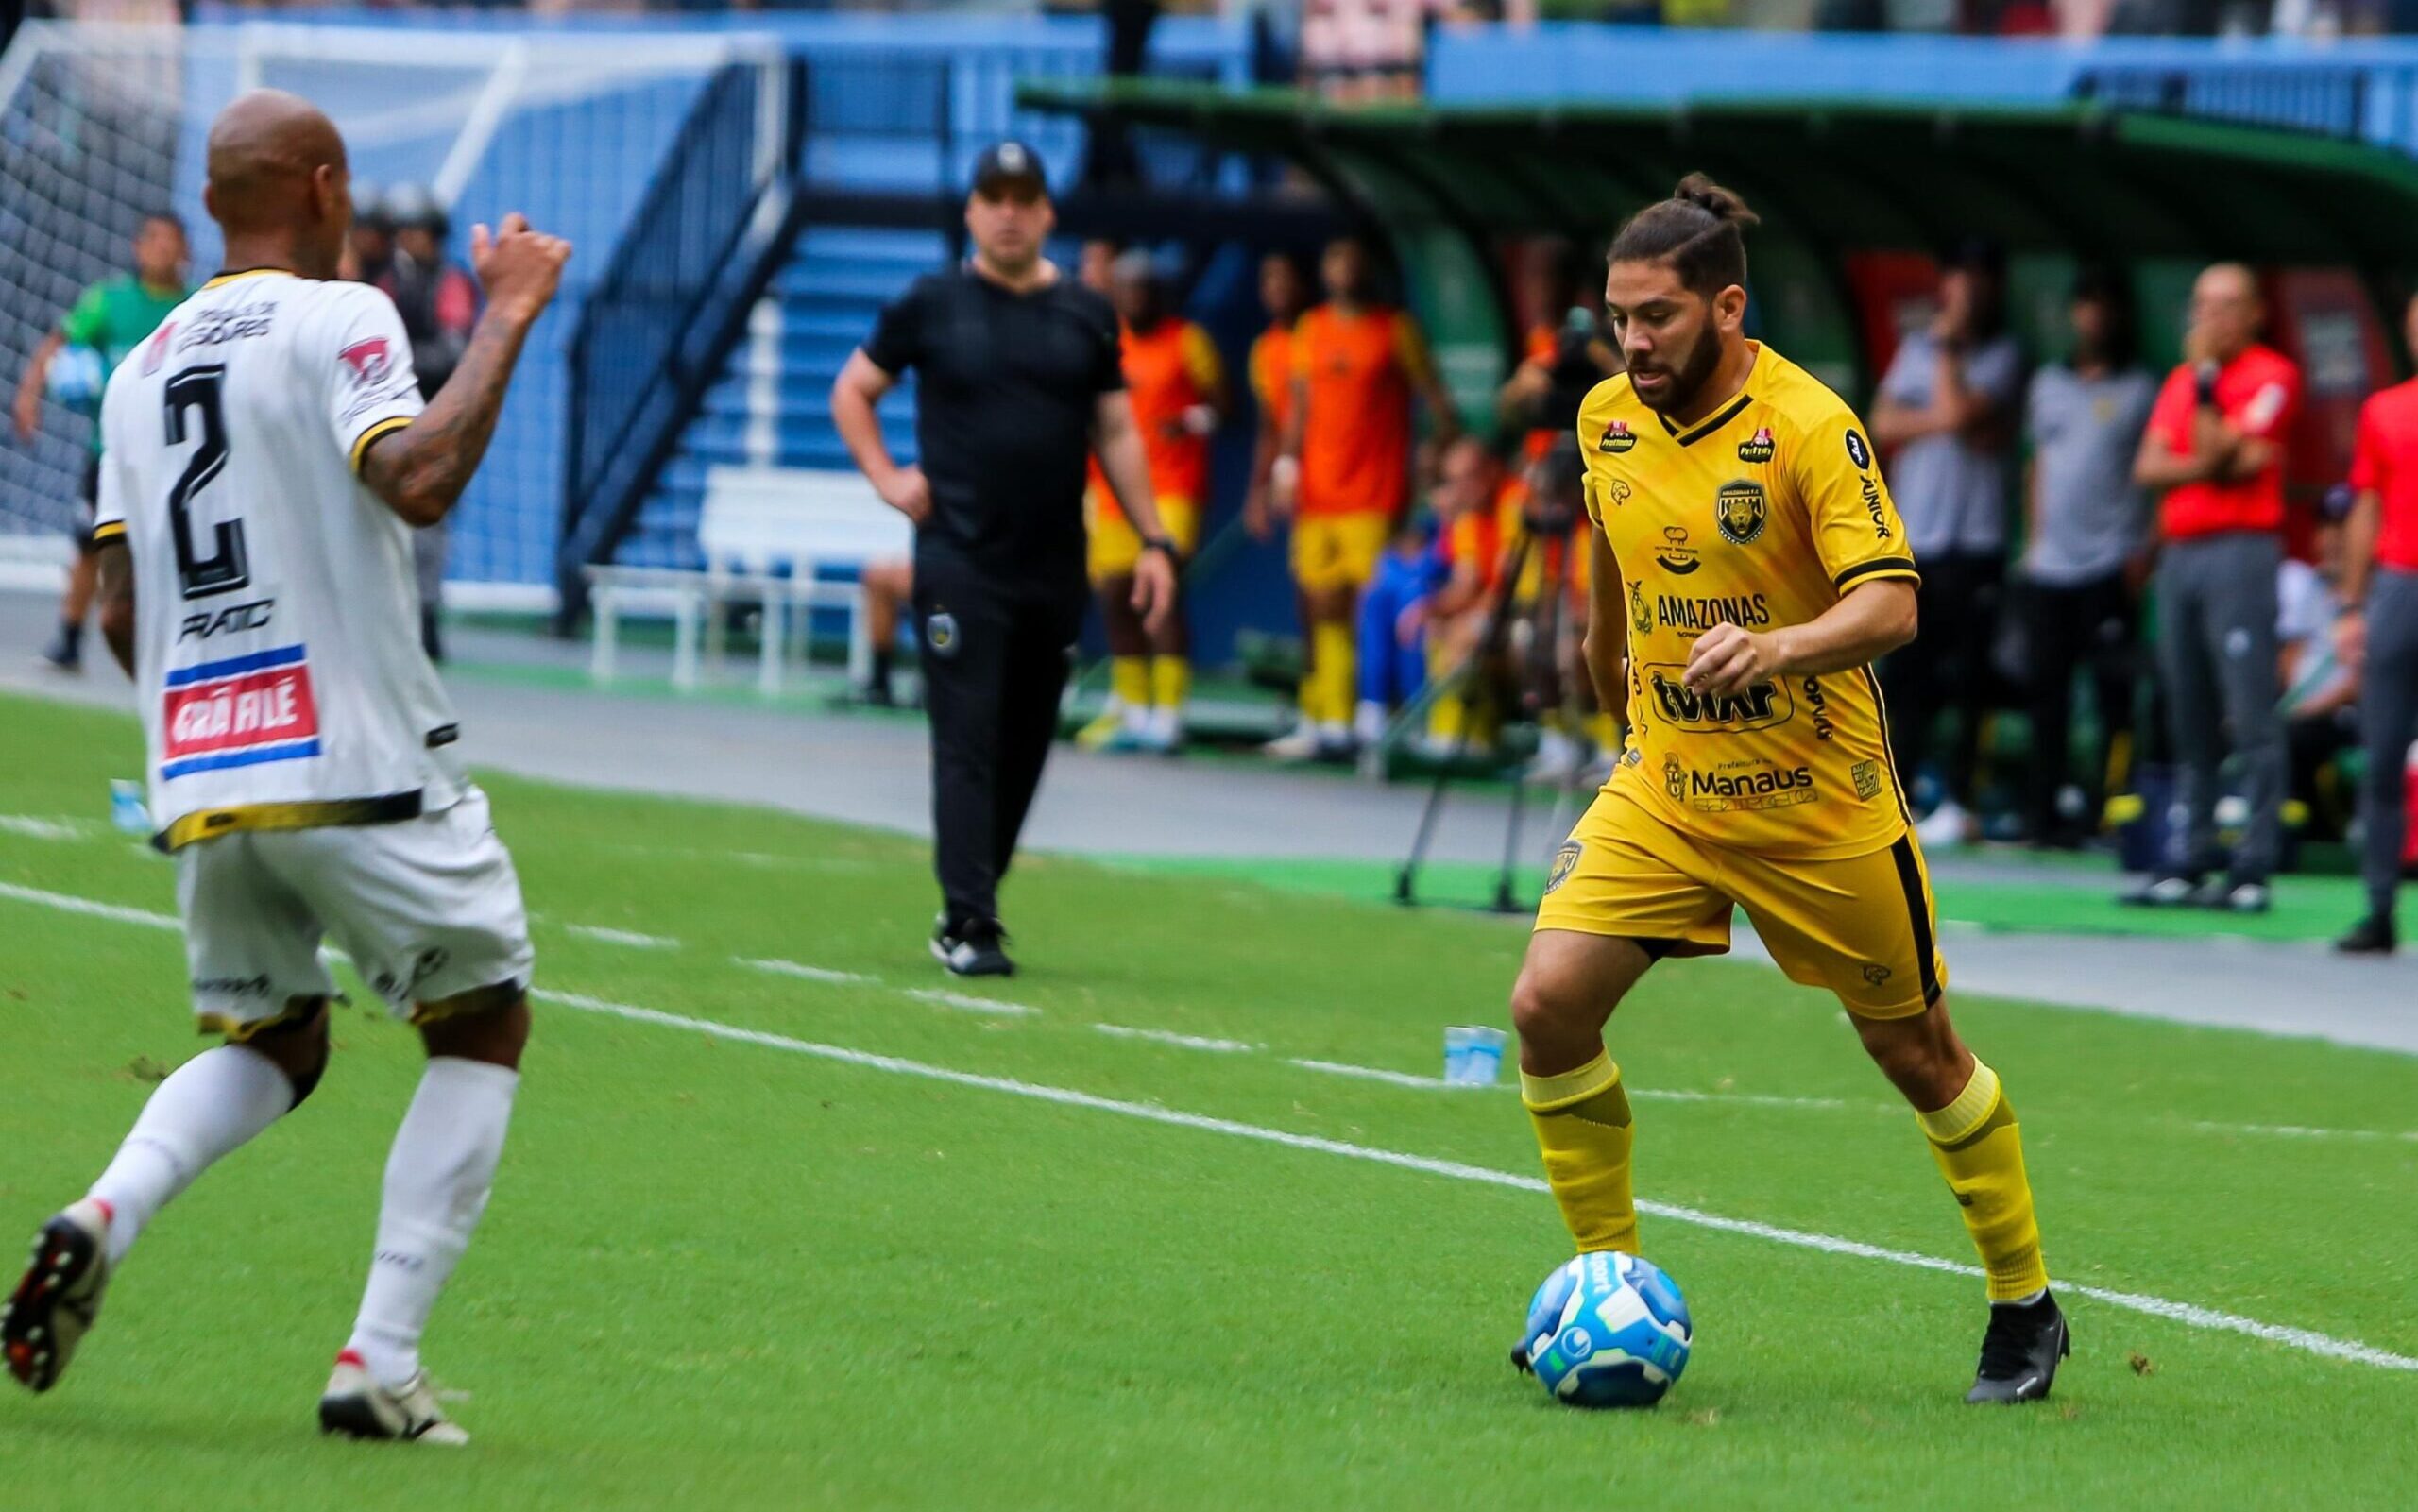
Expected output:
(519, 268)
(1726, 660)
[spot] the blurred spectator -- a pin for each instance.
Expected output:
(1283, 292)
(1342, 475)
(2378, 636)
(2085, 556)
(439, 303)
(1948, 407)
(1359, 50)
(2215, 451)
(1474, 496)
(2320, 702)
(889, 586)
(371, 246)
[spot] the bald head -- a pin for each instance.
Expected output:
(279, 185)
(2227, 311)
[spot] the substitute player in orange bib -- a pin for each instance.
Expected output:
(1748, 568)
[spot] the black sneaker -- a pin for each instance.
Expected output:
(63, 655)
(2372, 936)
(2020, 1351)
(2167, 890)
(973, 948)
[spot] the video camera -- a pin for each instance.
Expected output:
(1556, 489)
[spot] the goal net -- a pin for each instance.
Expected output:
(102, 124)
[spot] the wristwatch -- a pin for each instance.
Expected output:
(1160, 543)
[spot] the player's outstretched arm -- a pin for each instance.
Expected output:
(113, 568)
(422, 469)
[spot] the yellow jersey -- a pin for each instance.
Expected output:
(1762, 516)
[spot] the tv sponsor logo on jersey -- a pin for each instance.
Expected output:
(241, 712)
(1756, 707)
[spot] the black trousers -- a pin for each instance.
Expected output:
(1946, 668)
(2068, 628)
(995, 664)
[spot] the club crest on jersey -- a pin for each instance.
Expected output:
(244, 711)
(1565, 861)
(370, 360)
(939, 633)
(1618, 437)
(1738, 509)
(1757, 447)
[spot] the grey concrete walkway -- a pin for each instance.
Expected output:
(874, 772)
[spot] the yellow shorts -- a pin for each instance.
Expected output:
(1865, 926)
(1339, 550)
(1116, 546)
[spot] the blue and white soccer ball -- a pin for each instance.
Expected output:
(75, 377)
(1609, 1329)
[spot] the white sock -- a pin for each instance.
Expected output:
(207, 1109)
(437, 1178)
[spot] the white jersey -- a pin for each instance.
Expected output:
(278, 652)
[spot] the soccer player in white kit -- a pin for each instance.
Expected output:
(266, 453)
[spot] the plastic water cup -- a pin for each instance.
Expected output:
(127, 810)
(1474, 1055)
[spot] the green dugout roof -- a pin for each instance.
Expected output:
(2068, 179)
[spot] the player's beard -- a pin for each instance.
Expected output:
(1689, 378)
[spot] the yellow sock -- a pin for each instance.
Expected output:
(1583, 1128)
(1333, 669)
(1980, 1149)
(1170, 681)
(1447, 717)
(1129, 680)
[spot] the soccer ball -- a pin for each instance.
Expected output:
(75, 377)
(1609, 1329)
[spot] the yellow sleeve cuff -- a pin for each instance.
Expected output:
(109, 531)
(361, 443)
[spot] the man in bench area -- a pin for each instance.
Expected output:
(1018, 382)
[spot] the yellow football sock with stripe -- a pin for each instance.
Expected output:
(1128, 681)
(1447, 717)
(1333, 667)
(1980, 1149)
(1583, 1128)
(1170, 681)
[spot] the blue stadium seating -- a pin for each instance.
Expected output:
(772, 404)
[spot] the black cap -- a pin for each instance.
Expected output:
(1975, 254)
(1007, 163)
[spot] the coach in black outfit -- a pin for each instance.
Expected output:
(1018, 383)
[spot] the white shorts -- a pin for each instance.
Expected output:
(428, 909)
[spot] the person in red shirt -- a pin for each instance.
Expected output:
(2378, 635)
(2214, 452)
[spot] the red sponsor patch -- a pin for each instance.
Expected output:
(155, 352)
(371, 361)
(247, 712)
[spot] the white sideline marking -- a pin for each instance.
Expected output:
(813, 974)
(622, 937)
(1406, 1078)
(34, 828)
(86, 906)
(1189, 1042)
(1371, 1072)
(2187, 1314)
(2300, 1131)
(972, 1005)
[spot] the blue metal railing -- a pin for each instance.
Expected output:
(654, 332)
(2330, 101)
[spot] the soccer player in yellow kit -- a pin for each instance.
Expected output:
(1748, 568)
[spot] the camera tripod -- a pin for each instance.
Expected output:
(1535, 673)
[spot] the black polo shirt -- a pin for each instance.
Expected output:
(1008, 387)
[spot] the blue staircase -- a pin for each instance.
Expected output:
(771, 405)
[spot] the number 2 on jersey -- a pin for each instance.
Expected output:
(198, 390)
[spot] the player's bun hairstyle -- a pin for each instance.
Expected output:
(1700, 232)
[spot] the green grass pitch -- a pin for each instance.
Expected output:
(719, 1272)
